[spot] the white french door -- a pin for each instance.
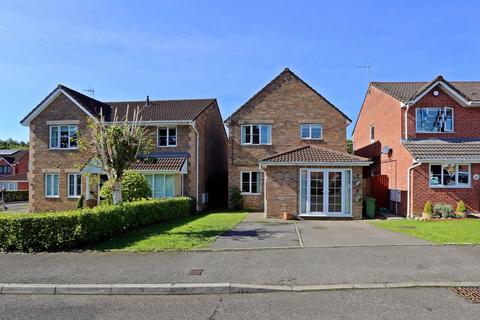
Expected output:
(325, 192)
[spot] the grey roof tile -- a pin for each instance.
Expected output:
(313, 154)
(444, 149)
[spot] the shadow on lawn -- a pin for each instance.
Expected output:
(131, 237)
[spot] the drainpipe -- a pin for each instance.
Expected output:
(264, 173)
(196, 162)
(409, 211)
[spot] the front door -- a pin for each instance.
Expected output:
(328, 192)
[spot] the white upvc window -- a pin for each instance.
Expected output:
(256, 134)
(51, 185)
(438, 119)
(162, 185)
(311, 131)
(372, 133)
(64, 137)
(450, 175)
(250, 182)
(167, 136)
(9, 186)
(74, 185)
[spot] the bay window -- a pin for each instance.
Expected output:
(434, 119)
(449, 175)
(250, 182)
(64, 137)
(256, 134)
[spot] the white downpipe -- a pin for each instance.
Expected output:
(409, 211)
(264, 173)
(196, 163)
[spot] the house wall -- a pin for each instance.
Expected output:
(283, 185)
(285, 104)
(423, 193)
(22, 166)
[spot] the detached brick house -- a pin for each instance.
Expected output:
(424, 138)
(13, 170)
(189, 157)
(287, 153)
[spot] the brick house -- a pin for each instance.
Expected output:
(287, 153)
(189, 156)
(424, 139)
(13, 170)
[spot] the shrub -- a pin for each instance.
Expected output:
(428, 208)
(461, 207)
(16, 196)
(63, 230)
(134, 187)
(80, 202)
(443, 210)
(236, 199)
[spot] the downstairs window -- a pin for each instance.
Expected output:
(449, 175)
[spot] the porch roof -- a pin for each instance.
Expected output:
(316, 156)
(467, 150)
(162, 161)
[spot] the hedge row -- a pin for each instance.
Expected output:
(16, 196)
(63, 230)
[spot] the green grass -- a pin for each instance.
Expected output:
(193, 232)
(437, 231)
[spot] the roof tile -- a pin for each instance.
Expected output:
(313, 154)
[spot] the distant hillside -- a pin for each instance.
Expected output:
(13, 144)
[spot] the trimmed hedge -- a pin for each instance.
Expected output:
(69, 229)
(16, 196)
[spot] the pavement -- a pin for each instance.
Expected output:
(16, 207)
(423, 303)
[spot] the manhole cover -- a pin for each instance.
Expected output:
(195, 272)
(471, 294)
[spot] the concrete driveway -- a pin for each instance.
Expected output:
(257, 232)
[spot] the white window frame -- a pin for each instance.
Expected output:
(250, 193)
(52, 186)
(50, 129)
(259, 125)
(9, 186)
(435, 108)
(456, 186)
(168, 136)
(310, 131)
(6, 166)
(164, 184)
(75, 185)
(372, 133)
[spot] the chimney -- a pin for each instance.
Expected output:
(148, 101)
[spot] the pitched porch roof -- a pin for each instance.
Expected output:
(315, 155)
(467, 150)
(162, 161)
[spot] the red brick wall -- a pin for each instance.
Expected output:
(466, 119)
(22, 166)
(422, 191)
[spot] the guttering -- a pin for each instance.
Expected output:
(264, 189)
(155, 122)
(193, 124)
(416, 164)
(310, 163)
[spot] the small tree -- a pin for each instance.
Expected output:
(461, 207)
(428, 207)
(117, 145)
(236, 199)
(134, 187)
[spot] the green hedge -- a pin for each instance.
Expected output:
(16, 196)
(63, 230)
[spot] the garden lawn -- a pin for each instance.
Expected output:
(193, 232)
(465, 231)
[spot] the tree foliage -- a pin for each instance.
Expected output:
(13, 144)
(134, 187)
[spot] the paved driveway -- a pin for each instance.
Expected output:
(256, 232)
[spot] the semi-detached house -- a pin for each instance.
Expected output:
(189, 157)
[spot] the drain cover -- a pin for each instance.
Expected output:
(471, 294)
(195, 272)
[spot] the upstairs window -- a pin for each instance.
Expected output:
(434, 119)
(167, 137)
(256, 134)
(5, 169)
(64, 137)
(311, 131)
(449, 175)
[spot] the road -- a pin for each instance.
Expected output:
(360, 304)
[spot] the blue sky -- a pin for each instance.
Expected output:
(226, 49)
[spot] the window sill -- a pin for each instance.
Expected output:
(255, 145)
(62, 149)
(450, 187)
(52, 197)
(73, 197)
(435, 132)
(167, 146)
(250, 194)
(312, 139)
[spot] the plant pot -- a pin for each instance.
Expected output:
(426, 216)
(91, 203)
(287, 216)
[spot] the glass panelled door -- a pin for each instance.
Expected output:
(325, 192)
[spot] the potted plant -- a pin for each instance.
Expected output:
(443, 210)
(461, 211)
(427, 213)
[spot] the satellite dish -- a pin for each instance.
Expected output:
(386, 150)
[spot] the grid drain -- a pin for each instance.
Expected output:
(471, 294)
